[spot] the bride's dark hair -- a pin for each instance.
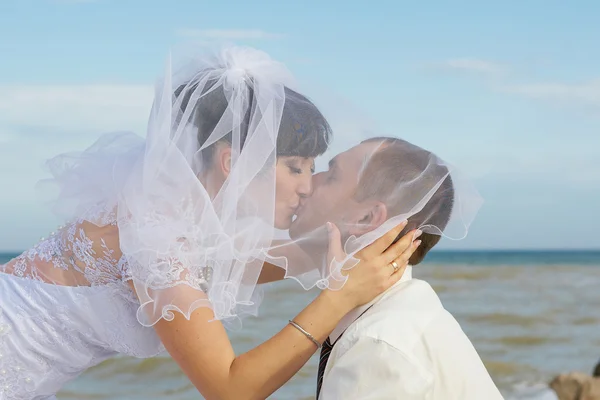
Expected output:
(303, 130)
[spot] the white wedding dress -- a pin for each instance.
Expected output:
(65, 306)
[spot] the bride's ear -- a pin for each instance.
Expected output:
(224, 160)
(371, 217)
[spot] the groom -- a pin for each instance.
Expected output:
(403, 345)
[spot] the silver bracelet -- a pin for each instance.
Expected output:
(308, 335)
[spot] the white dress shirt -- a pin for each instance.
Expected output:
(405, 346)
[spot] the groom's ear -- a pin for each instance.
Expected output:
(372, 216)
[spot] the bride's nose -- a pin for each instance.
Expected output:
(305, 187)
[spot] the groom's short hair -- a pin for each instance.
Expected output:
(395, 161)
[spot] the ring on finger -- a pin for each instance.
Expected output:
(395, 265)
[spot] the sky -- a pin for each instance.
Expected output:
(509, 92)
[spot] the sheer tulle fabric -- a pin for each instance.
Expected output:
(140, 204)
(182, 247)
(410, 183)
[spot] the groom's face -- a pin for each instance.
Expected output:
(332, 199)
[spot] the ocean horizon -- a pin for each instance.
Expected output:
(471, 255)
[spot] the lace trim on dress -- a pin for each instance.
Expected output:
(69, 248)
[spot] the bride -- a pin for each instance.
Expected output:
(168, 236)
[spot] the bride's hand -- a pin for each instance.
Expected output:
(380, 265)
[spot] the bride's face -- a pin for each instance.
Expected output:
(293, 181)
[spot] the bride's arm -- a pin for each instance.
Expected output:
(204, 352)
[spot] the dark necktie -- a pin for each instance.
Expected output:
(325, 352)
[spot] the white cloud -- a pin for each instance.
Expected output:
(474, 65)
(556, 162)
(38, 122)
(84, 108)
(229, 34)
(7, 136)
(586, 94)
(73, 1)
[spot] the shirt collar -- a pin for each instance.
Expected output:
(357, 312)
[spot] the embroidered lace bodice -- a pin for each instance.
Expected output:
(79, 254)
(65, 306)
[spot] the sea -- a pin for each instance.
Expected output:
(530, 314)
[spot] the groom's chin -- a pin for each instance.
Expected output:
(307, 233)
(297, 229)
(294, 230)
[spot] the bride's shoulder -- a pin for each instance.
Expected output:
(100, 238)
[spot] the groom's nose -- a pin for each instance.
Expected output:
(317, 179)
(303, 200)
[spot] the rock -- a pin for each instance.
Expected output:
(576, 386)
